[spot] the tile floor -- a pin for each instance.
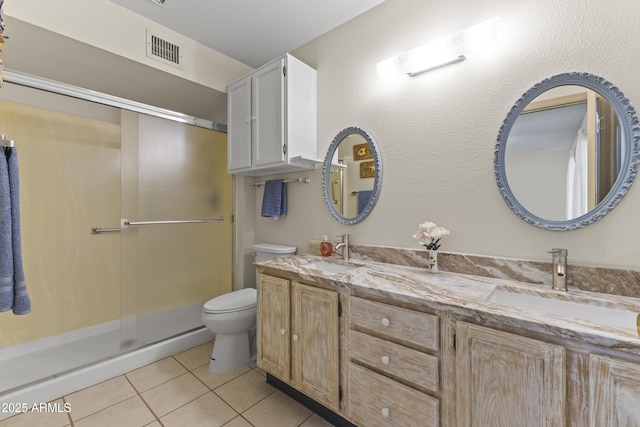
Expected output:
(177, 391)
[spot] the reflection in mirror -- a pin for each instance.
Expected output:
(352, 175)
(567, 152)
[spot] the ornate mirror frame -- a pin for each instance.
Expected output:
(631, 138)
(326, 170)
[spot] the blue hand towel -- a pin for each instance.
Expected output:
(6, 246)
(363, 199)
(13, 289)
(274, 200)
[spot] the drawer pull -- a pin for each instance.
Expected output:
(385, 360)
(385, 412)
(283, 331)
(385, 321)
(295, 337)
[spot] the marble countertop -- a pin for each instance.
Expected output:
(467, 295)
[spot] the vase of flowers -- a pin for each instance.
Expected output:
(429, 235)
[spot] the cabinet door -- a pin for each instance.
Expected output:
(314, 350)
(239, 127)
(269, 115)
(614, 392)
(505, 380)
(273, 332)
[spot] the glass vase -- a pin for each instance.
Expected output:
(433, 260)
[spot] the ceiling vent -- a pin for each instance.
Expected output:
(163, 50)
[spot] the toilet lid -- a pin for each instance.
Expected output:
(233, 301)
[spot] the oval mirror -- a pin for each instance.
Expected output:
(352, 175)
(567, 152)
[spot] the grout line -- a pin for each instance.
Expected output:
(239, 415)
(142, 398)
(308, 418)
(274, 390)
(186, 403)
(106, 407)
(164, 382)
(64, 400)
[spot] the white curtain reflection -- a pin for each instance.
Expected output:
(577, 174)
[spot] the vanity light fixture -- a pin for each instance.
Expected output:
(441, 52)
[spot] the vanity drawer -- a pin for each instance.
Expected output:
(375, 400)
(407, 365)
(397, 324)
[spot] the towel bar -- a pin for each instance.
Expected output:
(98, 230)
(286, 181)
(125, 223)
(4, 142)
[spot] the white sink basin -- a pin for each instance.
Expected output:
(328, 267)
(601, 312)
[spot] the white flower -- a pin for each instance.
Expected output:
(429, 234)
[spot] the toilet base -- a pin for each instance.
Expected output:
(231, 352)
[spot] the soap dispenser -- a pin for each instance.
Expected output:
(326, 248)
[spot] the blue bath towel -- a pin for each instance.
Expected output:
(363, 199)
(13, 290)
(274, 200)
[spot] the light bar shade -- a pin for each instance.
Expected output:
(441, 52)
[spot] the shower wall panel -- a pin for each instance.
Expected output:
(69, 182)
(180, 174)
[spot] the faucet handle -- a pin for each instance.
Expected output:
(558, 251)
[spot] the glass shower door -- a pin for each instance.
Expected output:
(172, 172)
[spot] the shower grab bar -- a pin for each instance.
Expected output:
(125, 223)
(98, 230)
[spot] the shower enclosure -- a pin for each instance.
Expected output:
(126, 231)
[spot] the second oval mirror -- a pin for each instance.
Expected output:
(567, 152)
(352, 175)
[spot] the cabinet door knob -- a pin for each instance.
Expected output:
(246, 120)
(295, 337)
(385, 360)
(385, 321)
(283, 331)
(385, 412)
(253, 118)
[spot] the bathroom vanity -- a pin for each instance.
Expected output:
(383, 344)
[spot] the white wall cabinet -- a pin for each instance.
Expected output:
(272, 119)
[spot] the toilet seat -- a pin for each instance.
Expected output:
(242, 299)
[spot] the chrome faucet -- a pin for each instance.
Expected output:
(344, 245)
(559, 269)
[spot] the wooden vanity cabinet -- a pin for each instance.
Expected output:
(274, 326)
(614, 392)
(393, 365)
(505, 379)
(298, 337)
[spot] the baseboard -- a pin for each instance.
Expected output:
(314, 406)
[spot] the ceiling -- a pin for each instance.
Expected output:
(253, 32)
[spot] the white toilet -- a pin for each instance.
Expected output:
(232, 317)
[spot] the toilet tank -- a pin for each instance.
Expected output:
(267, 251)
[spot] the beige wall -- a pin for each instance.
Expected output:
(111, 27)
(437, 131)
